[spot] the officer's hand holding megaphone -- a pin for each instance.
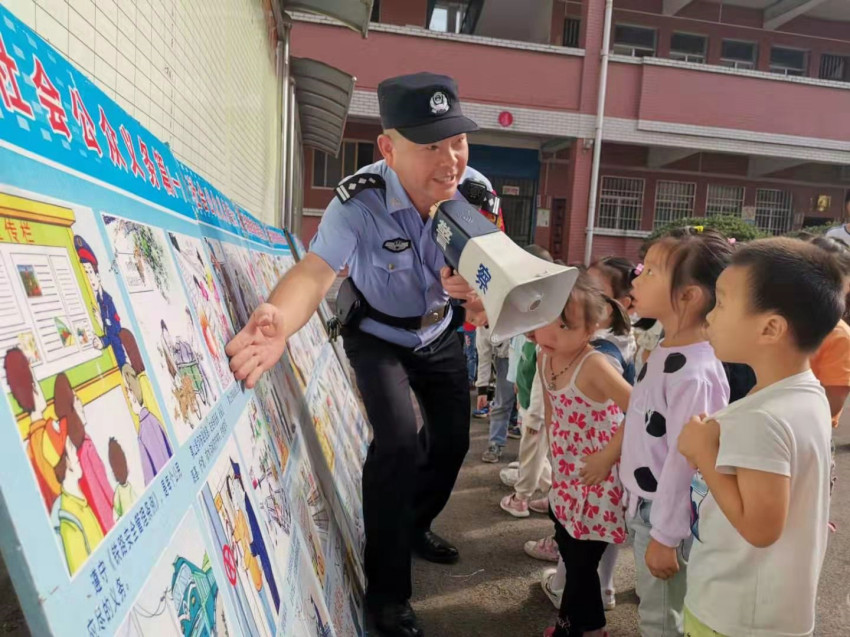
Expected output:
(457, 288)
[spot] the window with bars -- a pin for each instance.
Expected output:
(738, 55)
(724, 200)
(634, 41)
(688, 47)
(835, 67)
(620, 203)
(328, 170)
(673, 200)
(788, 61)
(572, 30)
(774, 212)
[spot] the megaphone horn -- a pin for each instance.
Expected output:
(520, 292)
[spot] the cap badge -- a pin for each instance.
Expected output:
(439, 103)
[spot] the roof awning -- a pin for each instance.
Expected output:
(323, 94)
(352, 13)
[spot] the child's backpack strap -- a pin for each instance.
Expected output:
(608, 348)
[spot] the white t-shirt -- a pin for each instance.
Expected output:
(839, 232)
(734, 587)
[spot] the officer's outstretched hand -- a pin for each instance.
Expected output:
(258, 346)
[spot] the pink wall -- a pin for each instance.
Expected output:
(484, 73)
(691, 97)
(404, 12)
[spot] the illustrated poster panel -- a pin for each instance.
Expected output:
(182, 364)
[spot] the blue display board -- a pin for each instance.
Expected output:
(143, 491)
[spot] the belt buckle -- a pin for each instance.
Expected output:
(432, 318)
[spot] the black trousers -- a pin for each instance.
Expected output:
(581, 605)
(408, 476)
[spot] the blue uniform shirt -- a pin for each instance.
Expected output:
(405, 283)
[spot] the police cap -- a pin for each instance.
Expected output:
(423, 107)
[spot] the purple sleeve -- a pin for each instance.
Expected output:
(671, 508)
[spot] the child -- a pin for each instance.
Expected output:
(503, 400)
(681, 378)
(614, 276)
(533, 471)
(125, 496)
(584, 396)
(761, 523)
(831, 362)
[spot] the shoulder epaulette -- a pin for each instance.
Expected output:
(351, 186)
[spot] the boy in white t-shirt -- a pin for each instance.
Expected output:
(760, 501)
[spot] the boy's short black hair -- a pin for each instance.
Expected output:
(799, 281)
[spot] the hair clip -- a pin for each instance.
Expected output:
(638, 269)
(732, 240)
(698, 228)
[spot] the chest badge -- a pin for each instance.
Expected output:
(397, 245)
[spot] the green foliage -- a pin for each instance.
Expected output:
(731, 226)
(819, 230)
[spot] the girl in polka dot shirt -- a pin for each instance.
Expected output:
(681, 378)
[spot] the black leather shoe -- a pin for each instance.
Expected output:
(393, 620)
(430, 546)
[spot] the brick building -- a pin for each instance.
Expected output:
(733, 107)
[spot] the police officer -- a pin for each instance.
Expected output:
(399, 328)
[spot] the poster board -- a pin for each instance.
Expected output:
(142, 489)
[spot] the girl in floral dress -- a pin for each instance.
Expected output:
(586, 398)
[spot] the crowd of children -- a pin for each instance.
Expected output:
(684, 407)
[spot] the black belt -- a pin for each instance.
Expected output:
(408, 322)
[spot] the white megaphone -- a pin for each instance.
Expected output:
(520, 292)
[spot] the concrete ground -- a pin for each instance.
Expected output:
(494, 589)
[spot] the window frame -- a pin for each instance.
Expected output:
(577, 44)
(685, 57)
(787, 71)
(719, 185)
(846, 61)
(788, 222)
(615, 44)
(346, 140)
(738, 64)
(655, 222)
(618, 217)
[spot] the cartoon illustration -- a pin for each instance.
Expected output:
(46, 437)
(204, 294)
(242, 548)
(61, 337)
(182, 596)
(134, 357)
(153, 443)
(110, 322)
(237, 313)
(169, 334)
(190, 385)
(264, 478)
(78, 528)
(313, 516)
(312, 618)
(94, 484)
(125, 496)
